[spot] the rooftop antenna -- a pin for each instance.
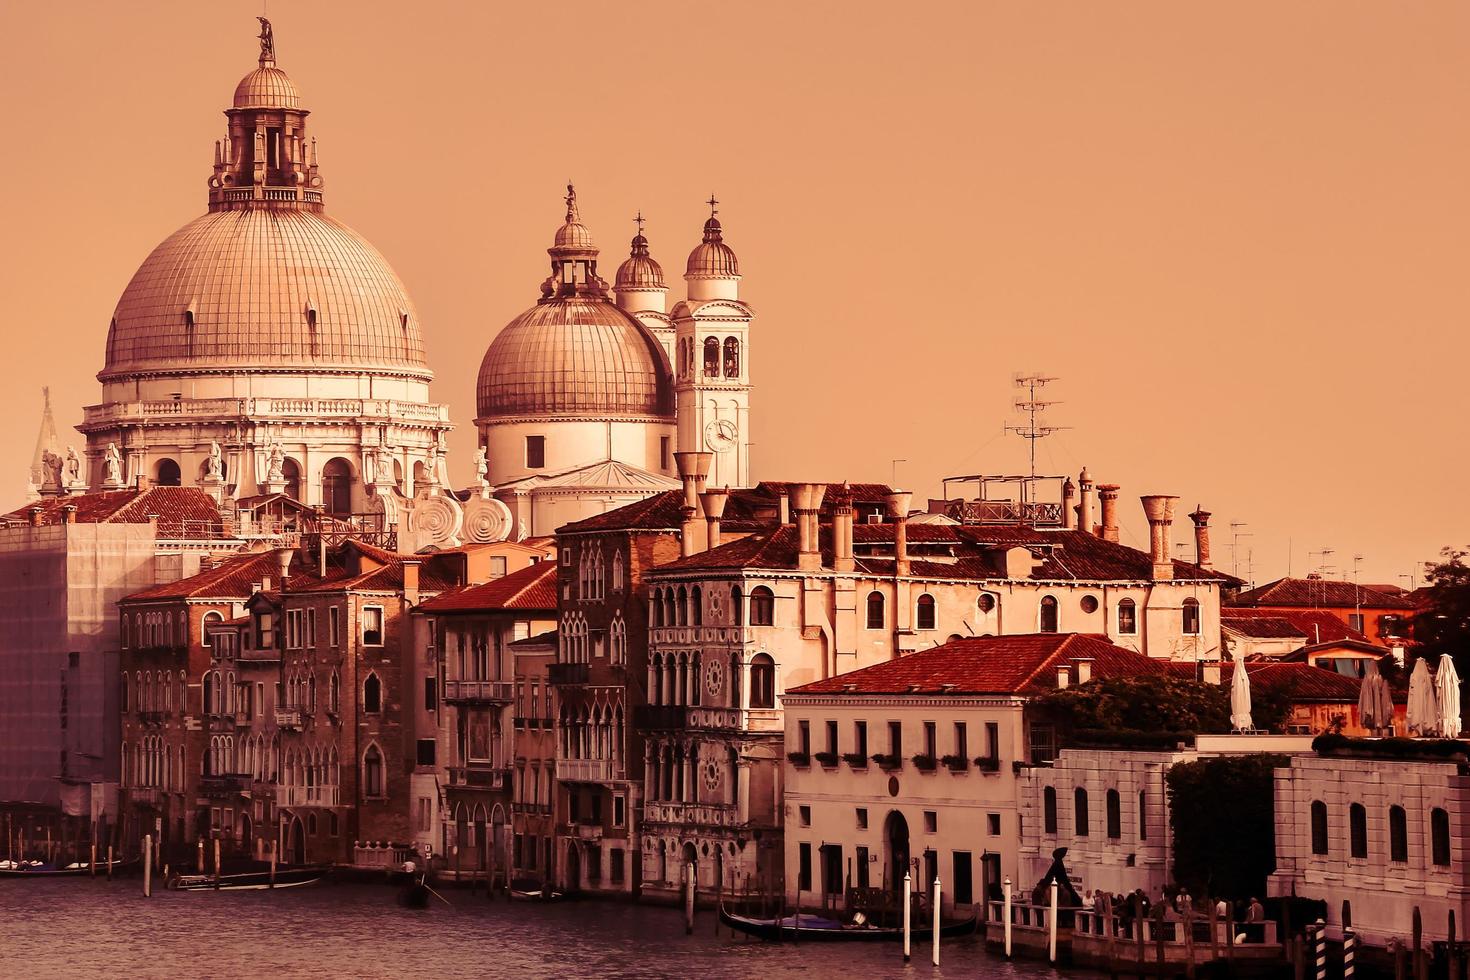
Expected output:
(1235, 535)
(894, 484)
(1032, 407)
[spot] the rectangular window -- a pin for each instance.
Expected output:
(931, 822)
(895, 738)
(862, 818)
(804, 867)
(597, 807)
(1355, 620)
(372, 626)
(426, 751)
(832, 869)
(962, 740)
(992, 824)
(617, 866)
(931, 739)
(334, 626)
(426, 813)
(804, 737)
(992, 740)
(861, 861)
(963, 887)
(860, 738)
(497, 566)
(1043, 744)
(431, 694)
(832, 737)
(663, 452)
(805, 813)
(620, 814)
(311, 627)
(535, 452)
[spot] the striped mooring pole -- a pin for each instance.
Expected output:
(1349, 947)
(1320, 943)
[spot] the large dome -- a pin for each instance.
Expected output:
(264, 289)
(575, 356)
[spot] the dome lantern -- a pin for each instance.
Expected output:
(713, 270)
(640, 271)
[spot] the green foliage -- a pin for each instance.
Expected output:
(1428, 749)
(1223, 818)
(1145, 710)
(1444, 627)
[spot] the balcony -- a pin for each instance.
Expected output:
(477, 692)
(224, 784)
(302, 796)
(479, 775)
(586, 770)
(153, 719)
(532, 809)
(144, 795)
(690, 814)
(566, 674)
(288, 718)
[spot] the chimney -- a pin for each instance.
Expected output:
(1160, 511)
(1201, 518)
(36, 513)
(689, 532)
(1069, 496)
(411, 580)
(1210, 672)
(693, 471)
(899, 502)
(714, 502)
(141, 481)
(1108, 494)
(1084, 510)
(1084, 669)
(842, 560)
(265, 583)
(808, 506)
(1064, 677)
(69, 514)
(283, 563)
(783, 507)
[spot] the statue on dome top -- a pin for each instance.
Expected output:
(267, 40)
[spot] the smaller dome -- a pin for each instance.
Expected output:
(712, 257)
(574, 234)
(639, 270)
(267, 87)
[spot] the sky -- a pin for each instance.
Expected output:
(1236, 233)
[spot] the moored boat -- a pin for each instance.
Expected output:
(41, 869)
(821, 929)
(251, 880)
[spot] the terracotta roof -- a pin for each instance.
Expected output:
(1317, 593)
(747, 508)
(1312, 625)
(530, 588)
(540, 639)
(183, 512)
(1262, 627)
(1297, 681)
(1021, 664)
(1302, 654)
(237, 577)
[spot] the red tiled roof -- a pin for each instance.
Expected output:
(1263, 627)
(183, 512)
(1296, 681)
(1316, 593)
(540, 639)
(1021, 664)
(1312, 625)
(664, 511)
(531, 588)
(235, 577)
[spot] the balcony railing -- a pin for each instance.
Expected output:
(481, 692)
(532, 809)
(288, 717)
(479, 776)
(586, 770)
(224, 784)
(308, 795)
(567, 673)
(255, 408)
(690, 814)
(144, 795)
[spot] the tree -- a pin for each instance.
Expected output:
(1442, 626)
(1222, 817)
(1147, 709)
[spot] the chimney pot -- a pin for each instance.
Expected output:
(808, 506)
(1107, 494)
(1069, 512)
(1159, 508)
(899, 502)
(36, 513)
(784, 508)
(713, 502)
(1085, 507)
(842, 558)
(693, 470)
(1201, 518)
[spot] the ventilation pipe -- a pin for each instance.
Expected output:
(1084, 509)
(283, 563)
(1108, 494)
(899, 502)
(1069, 498)
(1201, 518)
(713, 502)
(808, 506)
(1159, 509)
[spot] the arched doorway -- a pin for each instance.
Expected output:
(291, 471)
(896, 838)
(296, 842)
(167, 473)
(337, 486)
(573, 881)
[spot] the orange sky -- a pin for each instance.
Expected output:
(1237, 232)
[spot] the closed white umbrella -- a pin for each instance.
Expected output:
(1383, 703)
(1423, 704)
(1368, 699)
(1240, 697)
(1447, 687)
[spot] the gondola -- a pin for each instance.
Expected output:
(821, 929)
(77, 869)
(251, 880)
(534, 890)
(414, 894)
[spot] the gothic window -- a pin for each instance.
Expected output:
(762, 681)
(1127, 618)
(372, 694)
(617, 571)
(372, 772)
(711, 357)
(1048, 622)
(1191, 617)
(696, 606)
(926, 617)
(732, 357)
(762, 606)
(737, 606)
(875, 610)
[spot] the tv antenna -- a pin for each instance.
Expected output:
(1235, 535)
(1032, 406)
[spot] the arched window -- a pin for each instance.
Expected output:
(1127, 618)
(168, 474)
(292, 473)
(925, 616)
(737, 606)
(372, 772)
(208, 702)
(1079, 806)
(986, 603)
(762, 681)
(1439, 834)
(1358, 830)
(1319, 827)
(1049, 809)
(337, 486)
(696, 607)
(762, 606)
(1114, 805)
(1398, 834)
(711, 357)
(1191, 617)
(372, 694)
(732, 357)
(123, 693)
(1048, 622)
(875, 611)
(334, 694)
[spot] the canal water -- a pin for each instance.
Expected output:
(84, 928)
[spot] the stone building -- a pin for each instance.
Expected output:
(533, 823)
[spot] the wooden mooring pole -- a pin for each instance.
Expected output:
(148, 866)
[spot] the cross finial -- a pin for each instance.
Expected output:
(638, 220)
(713, 206)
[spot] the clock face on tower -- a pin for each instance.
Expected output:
(720, 435)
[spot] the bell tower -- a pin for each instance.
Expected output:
(712, 359)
